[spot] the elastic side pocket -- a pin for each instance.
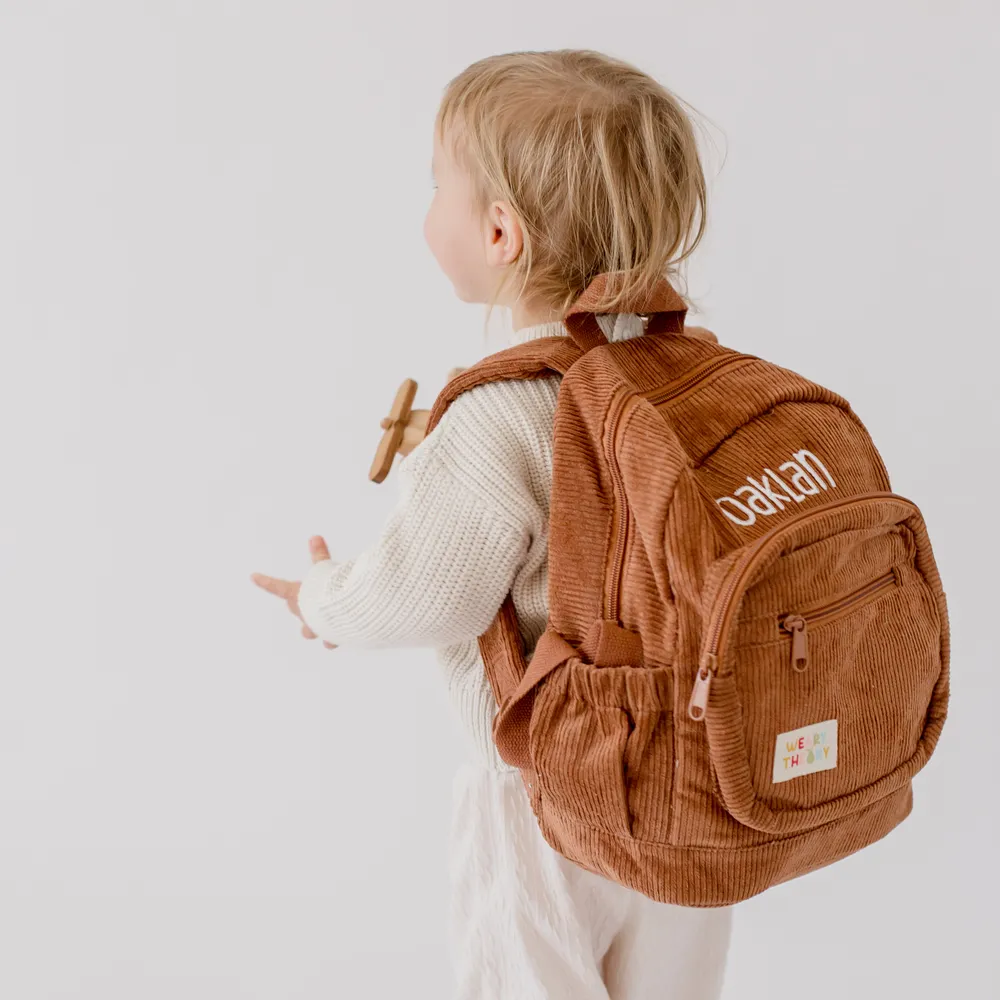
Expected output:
(601, 740)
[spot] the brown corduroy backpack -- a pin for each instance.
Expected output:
(746, 656)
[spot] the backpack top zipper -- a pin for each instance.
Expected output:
(680, 386)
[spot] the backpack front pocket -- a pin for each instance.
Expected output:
(798, 623)
(823, 680)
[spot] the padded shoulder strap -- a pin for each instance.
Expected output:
(535, 358)
(501, 646)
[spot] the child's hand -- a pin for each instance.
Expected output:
(289, 589)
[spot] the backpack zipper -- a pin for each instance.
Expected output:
(798, 624)
(669, 391)
(613, 595)
(719, 622)
(682, 386)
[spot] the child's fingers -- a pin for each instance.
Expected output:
(310, 634)
(275, 585)
(318, 549)
(412, 436)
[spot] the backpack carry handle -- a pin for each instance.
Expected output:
(664, 306)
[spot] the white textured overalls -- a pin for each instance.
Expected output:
(528, 924)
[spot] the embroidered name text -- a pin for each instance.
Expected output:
(766, 496)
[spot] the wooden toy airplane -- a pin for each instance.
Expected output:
(404, 427)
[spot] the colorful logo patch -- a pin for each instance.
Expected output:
(805, 750)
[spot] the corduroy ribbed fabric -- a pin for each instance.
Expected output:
(746, 658)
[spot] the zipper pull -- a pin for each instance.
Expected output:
(796, 624)
(699, 693)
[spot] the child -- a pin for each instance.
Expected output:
(549, 167)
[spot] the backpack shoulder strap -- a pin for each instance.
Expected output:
(536, 358)
(501, 646)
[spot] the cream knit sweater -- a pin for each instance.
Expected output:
(470, 525)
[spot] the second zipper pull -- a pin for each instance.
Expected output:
(796, 624)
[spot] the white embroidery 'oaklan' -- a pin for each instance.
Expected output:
(769, 495)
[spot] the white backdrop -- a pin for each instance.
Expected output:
(212, 280)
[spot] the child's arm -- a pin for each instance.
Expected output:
(446, 557)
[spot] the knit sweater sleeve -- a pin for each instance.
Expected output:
(446, 556)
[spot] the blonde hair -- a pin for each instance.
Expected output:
(598, 161)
